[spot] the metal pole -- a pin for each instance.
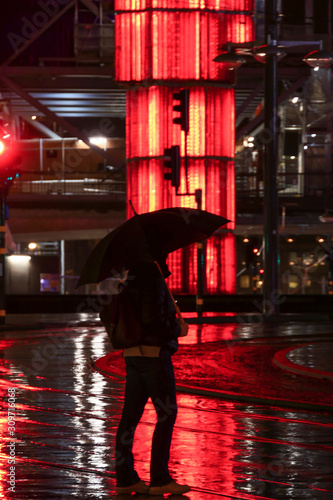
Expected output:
(200, 257)
(62, 268)
(2, 255)
(270, 288)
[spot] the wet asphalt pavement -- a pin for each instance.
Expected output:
(59, 418)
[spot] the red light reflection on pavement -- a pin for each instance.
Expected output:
(67, 418)
(197, 447)
(3, 456)
(207, 333)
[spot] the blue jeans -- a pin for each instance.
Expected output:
(147, 377)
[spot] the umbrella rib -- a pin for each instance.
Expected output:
(132, 207)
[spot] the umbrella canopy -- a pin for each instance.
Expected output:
(147, 237)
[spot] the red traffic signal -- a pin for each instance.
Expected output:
(183, 107)
(172, 162)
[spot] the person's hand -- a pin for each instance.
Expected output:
(183, 329)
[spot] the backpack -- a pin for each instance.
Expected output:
(121, 322)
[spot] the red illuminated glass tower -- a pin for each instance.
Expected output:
(163, 46)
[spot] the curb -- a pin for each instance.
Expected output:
(281, 360)
(213, 393)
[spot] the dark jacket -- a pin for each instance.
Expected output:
(153, 305)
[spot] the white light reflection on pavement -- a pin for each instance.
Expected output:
(92, 443)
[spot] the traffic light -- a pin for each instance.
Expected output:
(183, 107)
(8, 161)
(172, 162)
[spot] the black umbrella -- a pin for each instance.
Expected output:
(146, 238)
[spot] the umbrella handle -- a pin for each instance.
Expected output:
(179, 314)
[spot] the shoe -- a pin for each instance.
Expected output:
(173, 488)
(140, 487)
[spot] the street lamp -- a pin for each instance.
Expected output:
(261, 53)
(319, 59)
(230, 59)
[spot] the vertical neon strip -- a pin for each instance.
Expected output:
(230, 190)
(201, 124)
(228, 250)
(211, 263)
(162, 46)
(153, 120)
(155, 46)
(117, 32)
(197, 111)
(185, 34)
(172, 64)
(203, 45)
(228, 109)
(129, 190)
(154, 185)
(191, 256)
(136, 61)
(221, 264)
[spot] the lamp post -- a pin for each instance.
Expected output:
(269, 54)
(271, 240)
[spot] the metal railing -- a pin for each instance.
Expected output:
(289, 184)
(79, 183)
(94, 183)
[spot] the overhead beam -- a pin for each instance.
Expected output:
(62, 122)
(249, 99)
